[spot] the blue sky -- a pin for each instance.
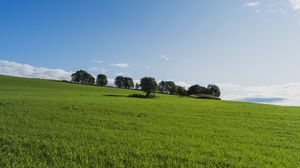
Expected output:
(234, 43)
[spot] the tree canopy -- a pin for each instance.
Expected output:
(124, 82)
(213, 90)
(128, 82)
(83, 77)
(181, 91)
(119, 81)
(197, 89)
(167, 87)
(148, 85)
(101, 80)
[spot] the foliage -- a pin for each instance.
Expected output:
(197, 89)
(167, 87)
(82, 77)
(128, 82)
(124, 82)
(119, 81)
(214, 90)
(211, 89)
(181, 91)
(148, 85)
(101, 80)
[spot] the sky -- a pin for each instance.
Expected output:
(249, 48)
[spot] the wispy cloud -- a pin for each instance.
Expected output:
(295, 4)
(98, 61)
(252, 4)
(276, 6)
(25, 70)
(165, 58)
(98, 70)
(183, 84)
(120, 65)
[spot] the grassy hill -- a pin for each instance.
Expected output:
(54, 124)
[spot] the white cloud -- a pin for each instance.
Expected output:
(276, 6)
(148, 67)
(183, 84)
(286, 94)
(25, 70)
(165, 58)
(98, 61)
(120, 65)
(295, 4)
(229, 86)
(110, 82)
(252, 4)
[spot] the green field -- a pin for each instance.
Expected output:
(54, 124)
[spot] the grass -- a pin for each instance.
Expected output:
(55, 124)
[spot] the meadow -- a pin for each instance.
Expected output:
(47, 123)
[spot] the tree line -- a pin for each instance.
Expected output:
(147, 84)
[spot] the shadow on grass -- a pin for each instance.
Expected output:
(110, 95)
(141, 96)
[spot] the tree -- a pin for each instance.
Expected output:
(128, 82)
(213, 90)
(83, 77)
(197, 89)
(101, 80)
(171, 87)
(119, 81)
(162, 87)
(124, 82)
(181, 91)
(167, 87)
(148, 85)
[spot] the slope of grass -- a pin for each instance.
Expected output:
(54, 124)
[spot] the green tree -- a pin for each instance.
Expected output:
(181, 91)
(124, 82)
(128, 82)
(213, 90)
(197, 89)
(101, 80)
(162, 87)
(119, 81)
(148, 85)
(171, 87)
(167, 87)
(83, 77)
